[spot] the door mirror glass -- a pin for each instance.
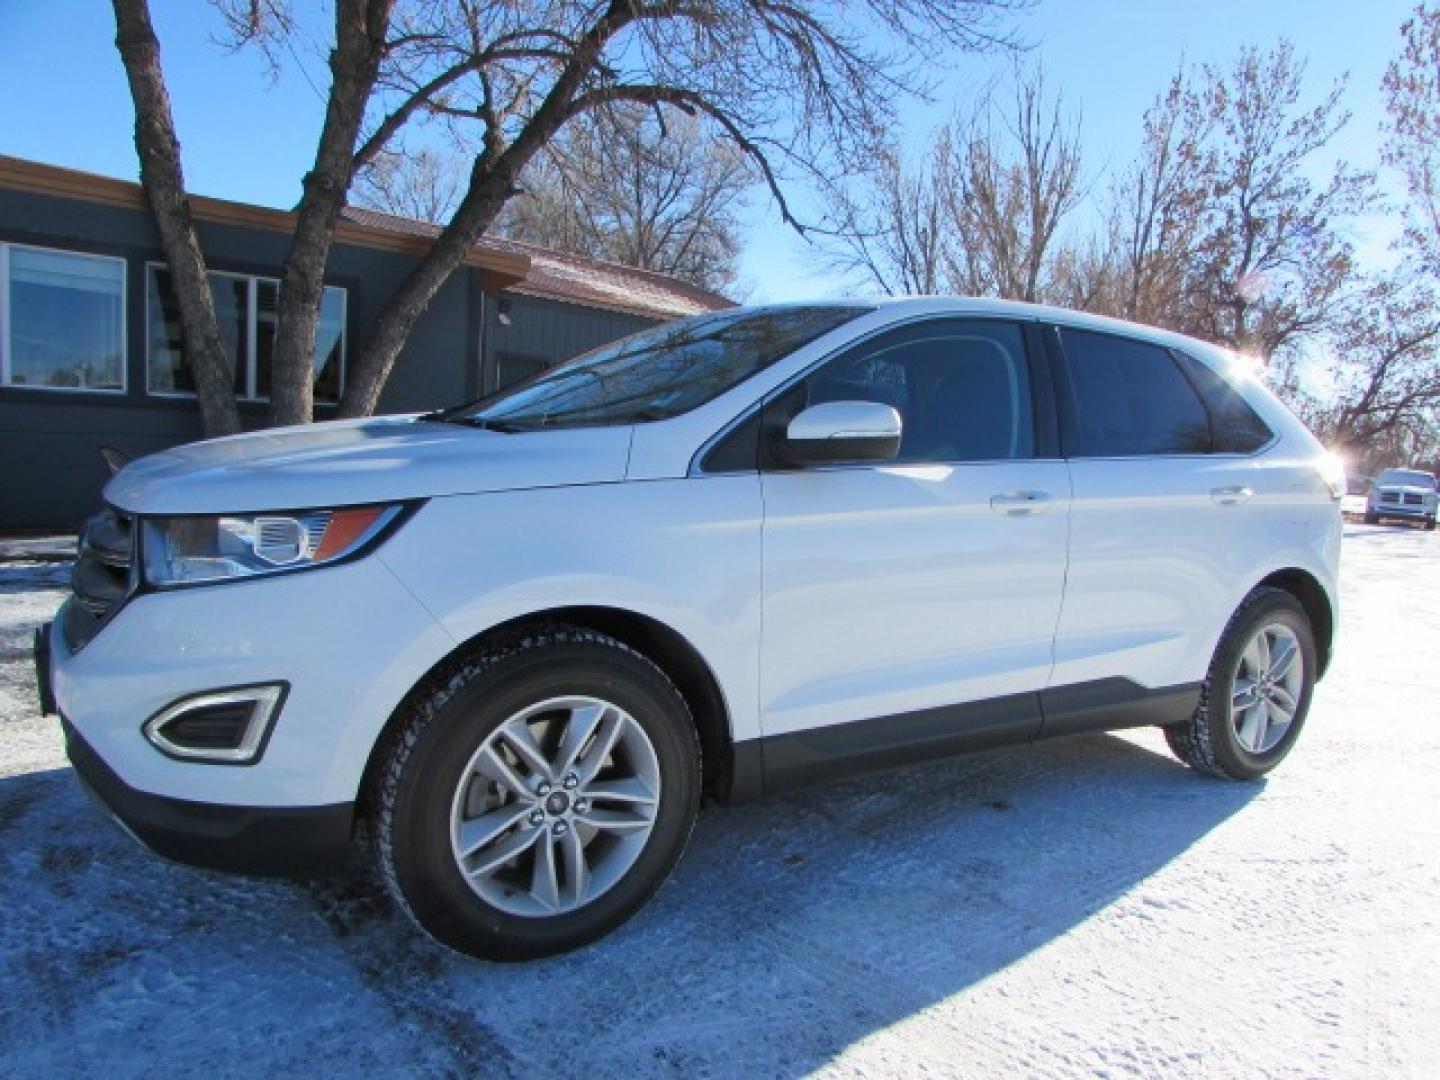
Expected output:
(841, 432)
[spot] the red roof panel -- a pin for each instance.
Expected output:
(576, 279)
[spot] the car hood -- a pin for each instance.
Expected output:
(348, 462)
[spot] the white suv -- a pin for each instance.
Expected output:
(732, 555)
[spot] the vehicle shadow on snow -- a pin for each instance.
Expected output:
(791, 929)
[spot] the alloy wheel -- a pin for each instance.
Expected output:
(555, 806)
(1265, 692)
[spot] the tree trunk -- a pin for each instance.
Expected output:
(371, 365)
(360, 31)
(164, 183)
(492, 183)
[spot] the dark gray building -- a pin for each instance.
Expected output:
(90, 350)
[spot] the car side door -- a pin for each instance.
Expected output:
(1171, 509)
(909, 606)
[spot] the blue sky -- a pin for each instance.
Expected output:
(249, 138)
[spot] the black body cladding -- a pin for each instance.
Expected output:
(783, 763)
(301, 842)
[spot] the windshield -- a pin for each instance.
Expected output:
(658, 373)
(1406, 478)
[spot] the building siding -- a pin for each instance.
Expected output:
(546, 330)
(50, 439)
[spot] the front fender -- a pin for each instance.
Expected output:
(683, 552)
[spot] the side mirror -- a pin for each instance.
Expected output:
(839, 432)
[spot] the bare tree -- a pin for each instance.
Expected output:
(1086, 275)
(1385, 371)
(1216, 229)
(895, 230)
(794, 85)
(362, 42)
(163, 180)
(1014, 187)
(424, 184)
(1157, 209)
(1412, 98)
(544, 212)
(1273, 258)
(981, 215)
(648, 187)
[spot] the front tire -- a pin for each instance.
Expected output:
(537, 795)
(1256, 694)
(1372, 519)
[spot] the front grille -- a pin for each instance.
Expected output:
(101, 579)
(1414, 500)
(1390, 496)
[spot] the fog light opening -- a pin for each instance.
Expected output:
(222, 727)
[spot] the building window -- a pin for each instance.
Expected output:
(62, 320)
(512, 368)
(248, 311)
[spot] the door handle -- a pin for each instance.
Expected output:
(1231, 496)
(1020, 503)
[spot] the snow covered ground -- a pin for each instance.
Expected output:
(1083, 907)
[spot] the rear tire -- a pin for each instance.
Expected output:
(537, 795)
(1256, 694)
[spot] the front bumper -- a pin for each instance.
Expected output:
(1413, 513)
(291, 841)
(349, 642)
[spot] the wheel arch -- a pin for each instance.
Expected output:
(664, 646)
(1312, 596)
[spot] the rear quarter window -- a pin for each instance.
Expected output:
(1236, 427)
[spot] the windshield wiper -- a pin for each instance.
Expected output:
(439, 417)
(505, 427)
(551, 421)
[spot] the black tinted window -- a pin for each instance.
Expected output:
(1130, 399)
(1235, 427)
(657, 373)
(739, 450)
(512, 368)
(962, 389)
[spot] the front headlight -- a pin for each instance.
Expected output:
(186, 550)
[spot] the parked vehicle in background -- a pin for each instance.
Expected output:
(1352, 503)
(1402, 495)
(735, 554)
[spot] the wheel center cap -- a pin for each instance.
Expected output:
(556, 803)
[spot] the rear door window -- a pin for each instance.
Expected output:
(1129, 398)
